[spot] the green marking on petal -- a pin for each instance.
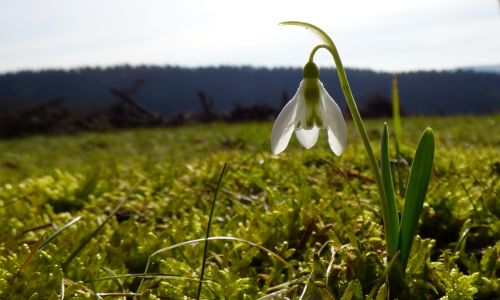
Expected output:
(309, 123)
(319, 121)
(312, 98)
(311, 95)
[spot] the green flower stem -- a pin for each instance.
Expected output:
(351, 103)
(313, 52)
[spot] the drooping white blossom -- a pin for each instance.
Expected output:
(310, 110)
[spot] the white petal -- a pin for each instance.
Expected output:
(284, 126)
(301, 107)
(333, 122)
(307, 137)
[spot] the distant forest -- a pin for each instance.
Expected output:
(169, 90)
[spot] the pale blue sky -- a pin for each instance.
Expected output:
(390, 35)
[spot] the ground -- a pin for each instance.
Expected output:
(303, 220)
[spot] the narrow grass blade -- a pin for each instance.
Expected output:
(396, 111)
(389, 208)
(397, 173)
(90, 236)
(58, 232)
(212, 238)
(150, 275)
(464, 235)
(415, 194)
(40, 246)
(61, 297)
(115, 279)
(398, 129)
(205, 248)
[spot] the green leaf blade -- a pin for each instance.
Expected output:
(391, 221)
(415, 195)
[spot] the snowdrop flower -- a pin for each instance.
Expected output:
(311, 109)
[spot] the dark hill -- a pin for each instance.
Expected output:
(171, 90)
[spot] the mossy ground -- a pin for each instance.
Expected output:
(324, 223)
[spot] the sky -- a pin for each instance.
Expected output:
(384, 35)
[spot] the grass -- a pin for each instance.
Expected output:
(280, 223)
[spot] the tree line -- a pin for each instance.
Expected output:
(170, 90)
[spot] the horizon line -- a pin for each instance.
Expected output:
(476, 68)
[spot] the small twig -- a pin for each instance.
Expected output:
(307, 232)
(23, 265)
(127, 99)
(352, 174)
(35, 228)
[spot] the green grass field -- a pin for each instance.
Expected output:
(291, 223)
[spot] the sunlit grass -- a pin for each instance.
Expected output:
(295, 205)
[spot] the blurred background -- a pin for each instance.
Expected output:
(67, 66)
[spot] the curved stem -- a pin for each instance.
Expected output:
(390, 217)
(346, 89)
(313, 52)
